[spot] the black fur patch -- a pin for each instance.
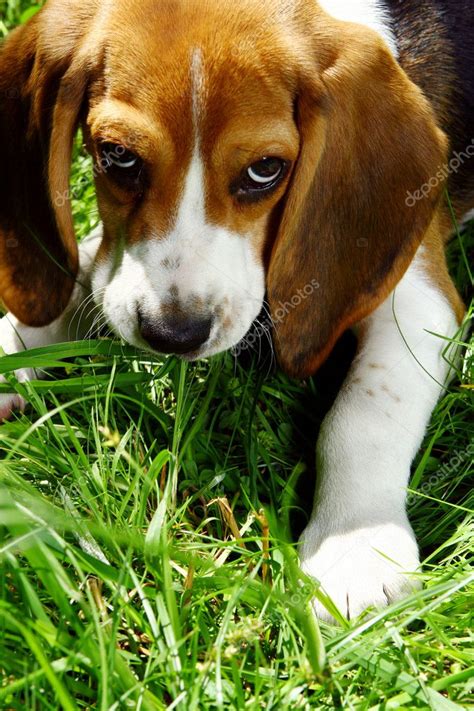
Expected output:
(436, 42)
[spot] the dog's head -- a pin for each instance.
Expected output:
(238, 147)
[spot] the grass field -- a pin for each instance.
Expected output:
(148, 514)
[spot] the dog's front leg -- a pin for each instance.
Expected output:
(74, 323)
(359, 543)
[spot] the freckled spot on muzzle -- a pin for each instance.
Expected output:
(171, 263)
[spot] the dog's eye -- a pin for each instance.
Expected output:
(121, 165)
(265, 172)
(260, 178)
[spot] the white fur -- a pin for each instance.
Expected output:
(467, 217)
(359, 543)
(74, 323)
(198, 79)
(370, 13)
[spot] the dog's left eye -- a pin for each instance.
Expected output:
(121, 164)
(265, 172)
(260, 178)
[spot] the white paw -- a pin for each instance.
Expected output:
(10, 403)
(367, 566)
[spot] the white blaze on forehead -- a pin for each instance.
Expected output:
(197, 89)
(192, 209)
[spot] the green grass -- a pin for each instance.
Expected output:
(148, 516)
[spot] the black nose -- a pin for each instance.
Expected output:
(175, 335)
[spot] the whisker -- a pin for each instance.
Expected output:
(98, 322)
(82, 307)
(78, 329)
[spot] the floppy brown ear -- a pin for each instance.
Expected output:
(350, 228)
(40, 98)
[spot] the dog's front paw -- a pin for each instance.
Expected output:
(367, 566)
(15, 338)
(10, 403)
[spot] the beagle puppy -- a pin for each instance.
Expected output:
(293, 148)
